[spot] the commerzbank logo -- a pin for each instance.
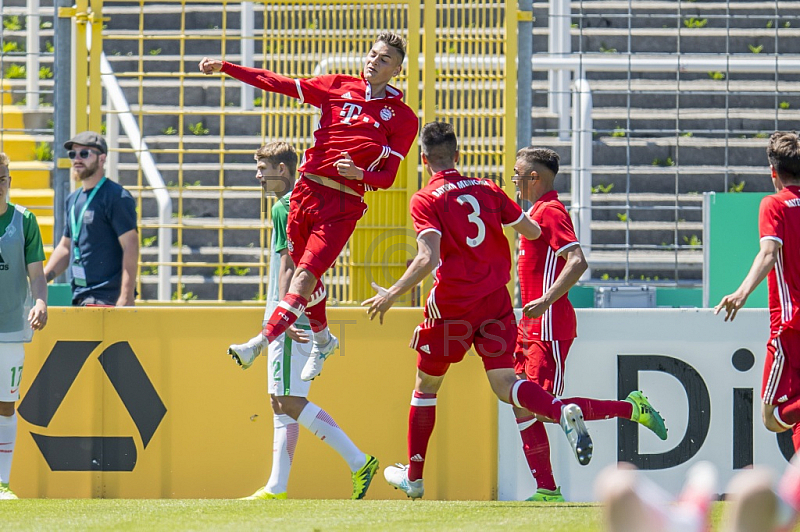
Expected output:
(92, 453)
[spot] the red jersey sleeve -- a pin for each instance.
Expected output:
(424, 214)
(770, 219)
(311, 91)
(400, 143)
(557, 228)
(510, 212)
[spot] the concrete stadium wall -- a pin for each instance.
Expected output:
(215, 437)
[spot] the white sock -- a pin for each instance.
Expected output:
(8, 437)
(322, 337)
(284, 441)
(325, 428)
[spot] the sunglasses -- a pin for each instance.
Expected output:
(83, 154)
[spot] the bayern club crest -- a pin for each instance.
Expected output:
(386, 114)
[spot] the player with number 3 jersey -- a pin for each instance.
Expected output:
(459, 223)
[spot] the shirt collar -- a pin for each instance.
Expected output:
(450, 173)
(391, 92)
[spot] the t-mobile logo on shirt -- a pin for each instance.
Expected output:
(350, 111)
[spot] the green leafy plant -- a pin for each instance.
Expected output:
(50, 124)
(761, 135)
(693, 240)
(45, 73)
(693, 22)
(605, 277)
(257, 101)
(150, 270)
(155, 51)
(222, 270)
(260, 297)
(12, 23)
(15, 72)
(784, 105)
(623, 217)
(149, 241)
(606, 50)
(716, 76)
(666, 162)
(198, 129)
(688, 134)
(756, 49)
(103, 129)
(45, 25)
(48, 47)
(169, 131)
(241, 272)
(770, 24)
(184, 296)
(618, 132)
(11, 47)
(602, 188)
(43, 152)
(787, 24)
(737, 187)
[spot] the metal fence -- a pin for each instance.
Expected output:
(202, 132)
(683, 96)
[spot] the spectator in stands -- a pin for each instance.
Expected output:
(23, 294)
(100, 245)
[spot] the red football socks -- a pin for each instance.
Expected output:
(315, 310)
(421, 419)
(536, 447)
(284, 315)
(526, 394)
(594, 409)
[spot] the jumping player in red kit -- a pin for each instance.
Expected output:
(365, 130)
(778, 224)
(548, 267)
(459, 224)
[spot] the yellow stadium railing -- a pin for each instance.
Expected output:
(203, 135)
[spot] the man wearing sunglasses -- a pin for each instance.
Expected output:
(100, 246)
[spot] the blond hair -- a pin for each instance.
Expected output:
(279, 152)
(4, 160)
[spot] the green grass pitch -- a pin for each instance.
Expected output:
(300, 515)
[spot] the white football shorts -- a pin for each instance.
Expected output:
(12, 355)
(286, 361)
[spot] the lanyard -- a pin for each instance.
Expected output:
(77, 224)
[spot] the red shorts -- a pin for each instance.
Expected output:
(321, 221)
(488, 325)
(781, 379)
(542, 361)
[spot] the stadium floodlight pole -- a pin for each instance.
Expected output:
(581, 193)
(62, 114)
(524, 74)
(32, 57)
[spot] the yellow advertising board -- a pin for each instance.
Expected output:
(144, 403)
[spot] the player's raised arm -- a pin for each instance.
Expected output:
(210, 66)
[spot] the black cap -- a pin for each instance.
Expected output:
(88, 138)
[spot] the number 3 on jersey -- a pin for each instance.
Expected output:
(474, 217)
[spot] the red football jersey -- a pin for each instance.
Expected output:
(779, 219)
(475, 259)
(540, 264)
(376, 132)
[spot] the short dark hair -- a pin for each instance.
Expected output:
(279, 152)
(783, 153)
(439, 143)
(395, 41)
(544, 156)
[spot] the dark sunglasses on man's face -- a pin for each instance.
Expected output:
(83, 154)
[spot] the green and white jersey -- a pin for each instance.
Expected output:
(20, 245)
(280, 242)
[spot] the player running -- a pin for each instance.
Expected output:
(778, 224)
(547, 268)
(365, 131)
(276, 164)
(459, 223)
